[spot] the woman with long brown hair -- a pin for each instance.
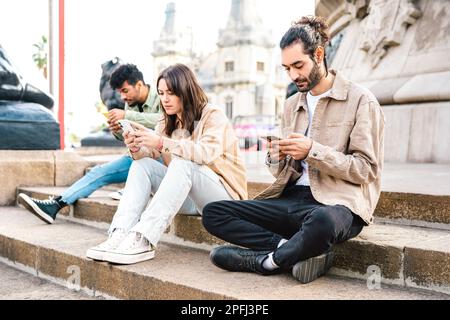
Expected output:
(202, 164)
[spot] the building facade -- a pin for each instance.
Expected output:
(243, 75)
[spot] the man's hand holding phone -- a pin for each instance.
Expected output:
(114, 115)
(296, 145)
(274, 150)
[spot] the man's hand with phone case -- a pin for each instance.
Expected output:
(274, 151)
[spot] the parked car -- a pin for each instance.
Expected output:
(249, 129)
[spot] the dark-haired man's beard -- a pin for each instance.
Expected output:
(311, 80)
(132, 103)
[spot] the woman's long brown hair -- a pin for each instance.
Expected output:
(182, 82)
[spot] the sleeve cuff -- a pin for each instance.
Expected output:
(169, 145)
(129, 115)
(317, 152)
(130, 154)
(270, 162)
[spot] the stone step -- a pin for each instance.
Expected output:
(415, 194)
(424, 210)
(57, 252)
(405, 256)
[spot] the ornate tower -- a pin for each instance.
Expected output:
(243, 68)
(174, 44)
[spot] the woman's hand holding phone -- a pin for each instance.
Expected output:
(145, 137)
(130, 142)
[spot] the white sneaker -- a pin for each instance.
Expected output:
(116, 195)
(133, 249)
(97, 252)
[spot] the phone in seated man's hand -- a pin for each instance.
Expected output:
(270, 138)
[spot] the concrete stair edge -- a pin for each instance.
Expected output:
(405, 209)
(389, 255)
(26, 242)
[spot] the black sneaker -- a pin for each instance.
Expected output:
(308, 270)
(45, 210)
(238, 259)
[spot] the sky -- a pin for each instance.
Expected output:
(98, 30)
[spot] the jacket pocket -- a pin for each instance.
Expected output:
(338, 134)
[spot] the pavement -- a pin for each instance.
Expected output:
(18, 285)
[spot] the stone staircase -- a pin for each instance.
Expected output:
(408, 248)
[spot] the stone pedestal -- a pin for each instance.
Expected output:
(399, 49)
(37, 168)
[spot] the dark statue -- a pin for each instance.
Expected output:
(26, 120)
(111, 99)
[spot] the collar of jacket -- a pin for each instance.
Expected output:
(339, 90)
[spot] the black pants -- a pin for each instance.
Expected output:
(310, 227)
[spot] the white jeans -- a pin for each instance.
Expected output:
(182, 185)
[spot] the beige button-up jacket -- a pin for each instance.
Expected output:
(346, 158)
(214, 144)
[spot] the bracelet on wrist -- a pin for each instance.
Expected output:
(160, 144)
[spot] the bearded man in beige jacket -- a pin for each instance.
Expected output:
(327, 166)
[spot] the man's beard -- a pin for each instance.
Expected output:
(134, 102)
(313, 79)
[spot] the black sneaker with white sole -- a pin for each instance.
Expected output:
(308, 270)
(45, 210)
(234, 258)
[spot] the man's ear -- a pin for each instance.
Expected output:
(319, 54)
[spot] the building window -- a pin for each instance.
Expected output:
(260, 66)
(229, 109)
(229, 66)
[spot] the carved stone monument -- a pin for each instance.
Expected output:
(399, 49)
(26, 122)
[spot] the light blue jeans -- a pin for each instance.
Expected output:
(112, 172)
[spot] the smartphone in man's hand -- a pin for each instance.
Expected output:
(270, 138)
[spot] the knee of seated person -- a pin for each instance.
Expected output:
(324, 219)
(176, 161)
(210, 214)
(182, 164)
(95, 170)
(145, 162)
